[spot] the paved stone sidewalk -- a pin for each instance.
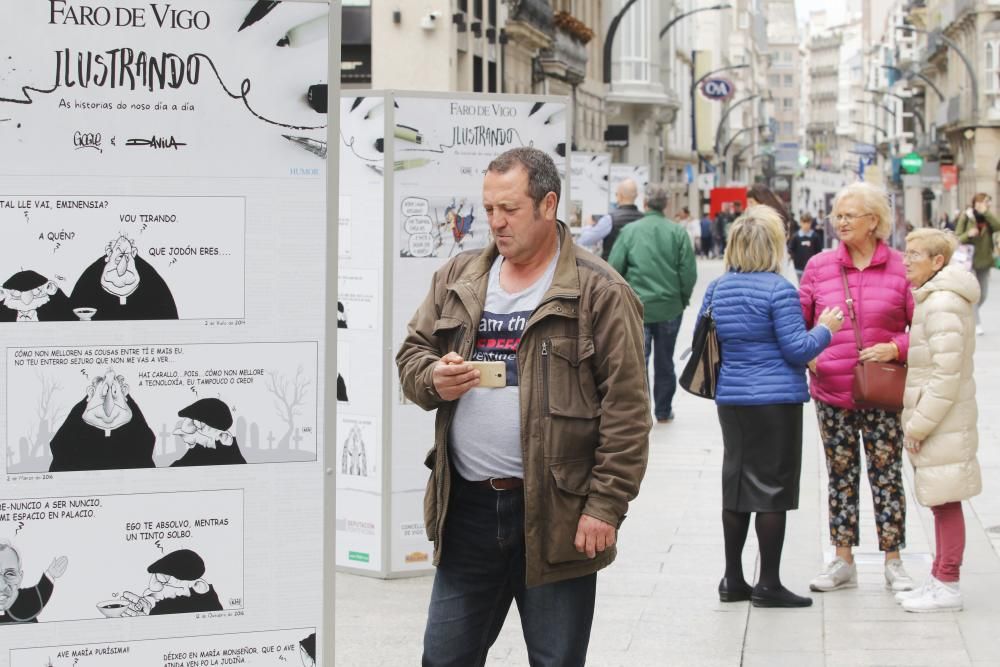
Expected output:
(657, 605)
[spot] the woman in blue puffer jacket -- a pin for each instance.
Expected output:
(760, 391)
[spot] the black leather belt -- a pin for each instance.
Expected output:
(499, 484)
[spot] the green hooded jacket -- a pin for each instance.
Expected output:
(982, 258)
(655, 256)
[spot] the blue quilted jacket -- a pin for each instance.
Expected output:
(765, 345)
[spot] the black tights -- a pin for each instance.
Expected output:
(770, 527)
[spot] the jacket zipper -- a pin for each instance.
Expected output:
(545, 378)
(442, 472)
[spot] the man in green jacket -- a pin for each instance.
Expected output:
(976, 226)
(654, 255)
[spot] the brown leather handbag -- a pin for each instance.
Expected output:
(877, 384)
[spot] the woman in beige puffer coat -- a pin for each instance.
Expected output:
(939, 407)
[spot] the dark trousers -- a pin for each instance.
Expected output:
(661, 338)
(482, 571)
(706, 246)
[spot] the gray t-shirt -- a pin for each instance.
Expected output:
(486, 431)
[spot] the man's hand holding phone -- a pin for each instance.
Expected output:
(453, 376)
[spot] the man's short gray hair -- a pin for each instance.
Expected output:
(6, 544)
(543, 177)
(656, 196)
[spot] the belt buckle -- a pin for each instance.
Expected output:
(493, 486)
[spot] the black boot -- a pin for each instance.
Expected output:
(739, 592)
(777, 596)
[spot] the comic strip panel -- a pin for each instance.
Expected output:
(159, 406)
(268, 648)
(120, 556)
(79, 259)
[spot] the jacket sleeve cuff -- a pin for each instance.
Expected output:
(902, 342)
(603, 509)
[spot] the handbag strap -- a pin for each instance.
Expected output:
(850, 309)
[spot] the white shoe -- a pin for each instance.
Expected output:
(896, 578)
(914, 592)
(939, 596)
(837, 574)
(979, 330)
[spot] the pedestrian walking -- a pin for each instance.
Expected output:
(939, 408)
(656, 258)
(607, 228)
(529, 481)
(804, 245)
(883, 305)
(693, 227)
(976, 226)
(765, 347)
(720, 227)
(707, 246)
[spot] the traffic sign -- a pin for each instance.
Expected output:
(912, 163)
(719, 89)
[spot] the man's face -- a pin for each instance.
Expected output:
(29, 300)
(120, 276)
(10, 578)
(165, 587)
(517, 226)
(107, 408)
(194, 433)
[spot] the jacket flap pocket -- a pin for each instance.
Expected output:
(573, 350)
(573, 476)
(431, 458)
(446, 324)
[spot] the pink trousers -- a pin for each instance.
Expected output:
(949, 532)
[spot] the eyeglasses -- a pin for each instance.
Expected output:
(847, 217)
(913, 254)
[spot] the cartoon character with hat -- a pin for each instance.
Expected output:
(175, 587)
(205, 432)
(307, 650)
(31, 297)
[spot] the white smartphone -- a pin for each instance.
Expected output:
(491, 373)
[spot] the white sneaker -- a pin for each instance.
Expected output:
(979, 330)
(939, 596)
(913, 593)
(896, 578)
(837, 574)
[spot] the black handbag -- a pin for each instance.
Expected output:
(701, 373)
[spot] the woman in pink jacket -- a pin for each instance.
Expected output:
(883, 305)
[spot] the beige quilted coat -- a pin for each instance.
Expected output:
(939, 405)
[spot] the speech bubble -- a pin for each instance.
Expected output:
(421, 245)
(415, 206)
(26, 511)
(418, 224)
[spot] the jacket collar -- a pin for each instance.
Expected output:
(565, 281)
(880, 257)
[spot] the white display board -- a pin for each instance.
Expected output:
(162, 291)
(590, 195)
(412, 169)
(638, 173)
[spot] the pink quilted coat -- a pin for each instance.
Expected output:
(883, 304)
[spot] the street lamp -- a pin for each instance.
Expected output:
(609, 40)
(961, 54)
(916, 112)
(735, 136)
(718, 130)
(922, 77)
(671, 22)
(872, 125)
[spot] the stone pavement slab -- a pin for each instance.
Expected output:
(657, 605)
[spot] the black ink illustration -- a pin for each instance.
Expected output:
(175, 587)
(307, 649)
(341, 389)
(260, 9)
(341, 316)
(29, 296)
(205, 431)
(123, 286)
(23, 605)
(353, 459)
(104, 431)
(459, 224)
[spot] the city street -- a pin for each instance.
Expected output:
(657, 605)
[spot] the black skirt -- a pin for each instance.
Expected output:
(763, 457)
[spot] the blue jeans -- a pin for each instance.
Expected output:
(661, 338)
(482, 571)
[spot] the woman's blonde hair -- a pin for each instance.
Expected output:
(934, 241)
(756, 242)
(872, 199)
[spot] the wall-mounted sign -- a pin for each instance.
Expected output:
(718, 89)
(949, 176)
(911, 163)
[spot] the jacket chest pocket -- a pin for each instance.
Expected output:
(449, 333)
(572, 407)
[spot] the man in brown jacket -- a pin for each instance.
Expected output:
(530, 481)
